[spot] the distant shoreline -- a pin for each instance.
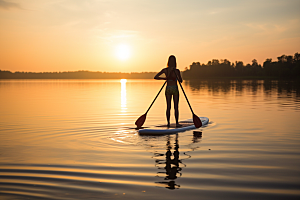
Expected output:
(86, 75)
(76, 75)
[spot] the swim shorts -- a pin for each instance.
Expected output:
(172, 90)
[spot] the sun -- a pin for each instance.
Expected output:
(123, 51)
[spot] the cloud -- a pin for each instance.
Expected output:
(285, 28)
(8, 5)
(117, 35)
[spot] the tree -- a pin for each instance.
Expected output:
(226, 62)
(254, 63)
(215, 62)
(281, 59)
(239, 67)
(296, 57)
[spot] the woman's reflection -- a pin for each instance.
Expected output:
(172, 169)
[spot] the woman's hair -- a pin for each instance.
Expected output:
(172, 61)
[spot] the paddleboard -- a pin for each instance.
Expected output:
(163, 129)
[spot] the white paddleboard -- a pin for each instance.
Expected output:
(163, 129)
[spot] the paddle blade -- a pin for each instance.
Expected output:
(140, 121)
(197, 121)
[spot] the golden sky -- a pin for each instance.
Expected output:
(139, 35)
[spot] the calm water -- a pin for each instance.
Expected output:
(74, 139)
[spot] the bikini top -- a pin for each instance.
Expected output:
(171, 79)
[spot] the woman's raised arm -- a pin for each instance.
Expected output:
(157, 76)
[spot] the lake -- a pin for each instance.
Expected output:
(75, 139)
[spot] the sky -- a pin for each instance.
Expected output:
(140, 35)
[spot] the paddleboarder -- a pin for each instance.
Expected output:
(171, 76)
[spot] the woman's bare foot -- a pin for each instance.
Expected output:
(178, 125)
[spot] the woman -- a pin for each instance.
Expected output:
(172, 88)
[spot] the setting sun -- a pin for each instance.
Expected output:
(123, 51)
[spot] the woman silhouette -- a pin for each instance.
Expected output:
(171, 74)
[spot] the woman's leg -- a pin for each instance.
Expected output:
(176, 102)
(168, 99)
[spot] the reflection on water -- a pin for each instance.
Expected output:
(123, 95)
(225, 86)
(286, 92)
(197, 135)
(285, 89)
(75, 139)
(171, 164)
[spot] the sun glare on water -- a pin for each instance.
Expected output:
(123, 52)
(123, 95)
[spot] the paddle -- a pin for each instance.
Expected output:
(196, 119)
(141, 120)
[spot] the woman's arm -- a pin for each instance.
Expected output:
(157, 76)
(178, 75)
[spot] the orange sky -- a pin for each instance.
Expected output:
(139, 35)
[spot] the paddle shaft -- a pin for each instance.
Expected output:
(184, 93)
(156, 97)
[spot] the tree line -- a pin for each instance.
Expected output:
(284, 67)
(75, 75)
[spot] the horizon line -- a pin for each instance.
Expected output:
(73, 71)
